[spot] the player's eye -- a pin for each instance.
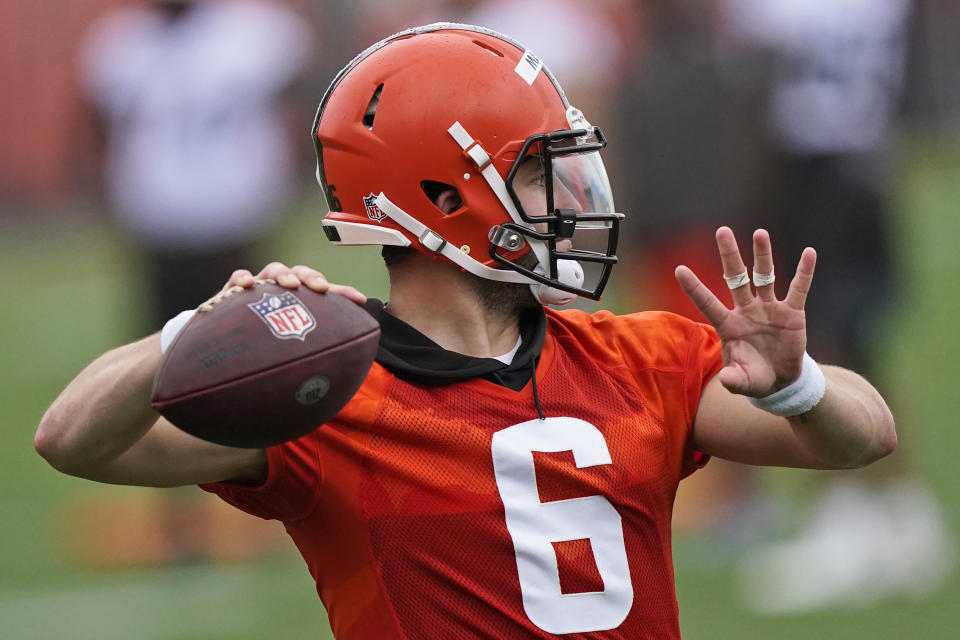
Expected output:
(532, 168)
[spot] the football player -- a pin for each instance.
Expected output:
(506, 470)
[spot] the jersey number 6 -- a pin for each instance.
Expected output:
(534, 526)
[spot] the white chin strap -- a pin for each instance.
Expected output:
(570, 273)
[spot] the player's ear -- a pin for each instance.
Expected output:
(444, 196)
(449, 201)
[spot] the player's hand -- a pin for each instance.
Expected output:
(292, 278)
(763, 338)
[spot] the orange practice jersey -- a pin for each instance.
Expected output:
(455, 512)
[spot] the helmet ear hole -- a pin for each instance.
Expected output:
(443, 196)
(371, 111)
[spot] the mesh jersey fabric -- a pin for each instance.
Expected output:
(399, 512)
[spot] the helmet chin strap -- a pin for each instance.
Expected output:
(570, 273)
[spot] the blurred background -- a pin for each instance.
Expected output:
(146, 143)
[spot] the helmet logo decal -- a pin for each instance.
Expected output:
(373, 211)
(528, 67)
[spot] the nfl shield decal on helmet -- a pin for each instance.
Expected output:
(373, 211)
(285, 315)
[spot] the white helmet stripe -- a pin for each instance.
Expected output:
(460, 135)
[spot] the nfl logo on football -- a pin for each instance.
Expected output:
(285, 315)
(373, 211)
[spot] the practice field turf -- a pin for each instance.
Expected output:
(70, 295)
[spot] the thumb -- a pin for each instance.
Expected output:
(734, 379)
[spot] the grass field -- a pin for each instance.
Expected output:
(70, 295)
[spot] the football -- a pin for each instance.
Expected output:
(265, 365)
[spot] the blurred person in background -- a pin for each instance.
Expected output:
(837, 71)
(199, 160)
(193, 100)
(691, 159)
(700, 157)
(779, 113)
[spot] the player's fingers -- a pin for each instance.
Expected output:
(733, 265)
(763, 262)
(272, 271)
(708, 304)
(312, 278)
(281, 274)
(348, 292)
(800, 285)
(240, 278)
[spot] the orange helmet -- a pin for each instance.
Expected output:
(463, 107)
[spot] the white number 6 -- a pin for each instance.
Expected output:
(535, 525)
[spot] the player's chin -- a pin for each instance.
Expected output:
(503, 298)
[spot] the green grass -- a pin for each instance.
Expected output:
(71, 294)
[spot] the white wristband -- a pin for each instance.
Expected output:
(173, 327)
(799, 396)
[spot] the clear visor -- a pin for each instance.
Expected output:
(581, 179)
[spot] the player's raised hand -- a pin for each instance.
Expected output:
(293, 277)
(763, 338)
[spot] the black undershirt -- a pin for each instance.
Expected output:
(411, 356)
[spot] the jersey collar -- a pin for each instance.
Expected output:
(411, 356)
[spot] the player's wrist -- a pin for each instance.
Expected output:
(798, 397)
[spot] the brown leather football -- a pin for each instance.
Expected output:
(260, 366)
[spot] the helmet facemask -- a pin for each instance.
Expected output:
(560, 191)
